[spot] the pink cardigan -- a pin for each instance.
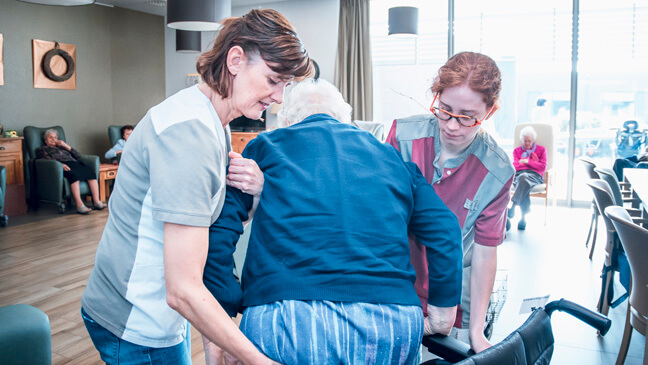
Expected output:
(537, 161)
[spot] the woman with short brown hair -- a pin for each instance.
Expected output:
(147, 279)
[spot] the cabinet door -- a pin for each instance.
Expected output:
(241, 139)
(12, 166)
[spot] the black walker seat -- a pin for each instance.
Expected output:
(531, 343)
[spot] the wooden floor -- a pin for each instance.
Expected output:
(47, 264)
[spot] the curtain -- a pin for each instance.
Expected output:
(353, 72)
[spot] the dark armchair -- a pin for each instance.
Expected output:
(114, 135)
(3, 192)
(46, 176)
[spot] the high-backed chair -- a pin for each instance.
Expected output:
(114, 134)
(603, 198)
(545, 137)
(375, 128)
(47, 181)
(620, 197)
(3, 192)
(593, 229)
(635, 242)
(25, 335)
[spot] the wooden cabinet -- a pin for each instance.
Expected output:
(241, 139)
(11, 157)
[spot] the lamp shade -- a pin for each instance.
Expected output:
(403, 20)
(197, 15)
(187, 41)
(60, 2)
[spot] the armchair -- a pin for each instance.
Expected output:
(46, 176)
(3, 192)
(114, 135)
(25, 335)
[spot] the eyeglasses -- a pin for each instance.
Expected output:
(464, 120)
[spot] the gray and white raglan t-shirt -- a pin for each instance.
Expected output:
(172, 170)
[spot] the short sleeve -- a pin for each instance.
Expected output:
(187, 174)
(490, 227)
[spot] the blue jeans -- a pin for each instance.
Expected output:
(114, 350)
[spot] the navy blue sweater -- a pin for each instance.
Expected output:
(333, 221)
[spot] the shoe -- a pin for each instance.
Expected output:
(99, 206)
(522, 225)
(83, 210)
(511, 211)
(508, 224)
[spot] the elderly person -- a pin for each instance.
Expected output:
(469, 172)
(115, 152)
(73, 169)
(530, 162)
(327, 276)
(147, 279)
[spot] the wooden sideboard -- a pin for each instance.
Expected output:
(241, 139)
(11, 157)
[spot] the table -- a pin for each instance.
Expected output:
(107, 172)
(638, 179)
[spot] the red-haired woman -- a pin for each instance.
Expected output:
(471, 174)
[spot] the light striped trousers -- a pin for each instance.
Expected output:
(323, 332)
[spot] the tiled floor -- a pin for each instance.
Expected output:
(553, 260)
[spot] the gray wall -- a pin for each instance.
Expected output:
(120, 69)
(316, 22)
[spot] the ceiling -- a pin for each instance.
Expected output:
(158, 7)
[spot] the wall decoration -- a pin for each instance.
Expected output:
(54, 65)
(1, 61)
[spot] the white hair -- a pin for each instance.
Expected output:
(310, 97)
(528, 131)
(48, 132)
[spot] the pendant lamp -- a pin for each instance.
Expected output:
(187, 41)
(403, 21)
(60, 2)
(197, 15)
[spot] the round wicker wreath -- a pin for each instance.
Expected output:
(47, 59)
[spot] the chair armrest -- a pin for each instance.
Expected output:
(49, 179)
(92, 162)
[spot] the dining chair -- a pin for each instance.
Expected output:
(545, 137)
(621, 197)
(593, 229)
(635, 242)
(603, 198)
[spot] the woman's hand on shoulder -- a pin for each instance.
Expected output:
(244, 174)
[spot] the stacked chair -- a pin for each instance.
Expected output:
(634, 239)
(614, 255)
(589, 169)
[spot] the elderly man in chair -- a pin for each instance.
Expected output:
(327, 277)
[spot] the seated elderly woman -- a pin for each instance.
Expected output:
(73, 170)
(327, 276)
(530, 161)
